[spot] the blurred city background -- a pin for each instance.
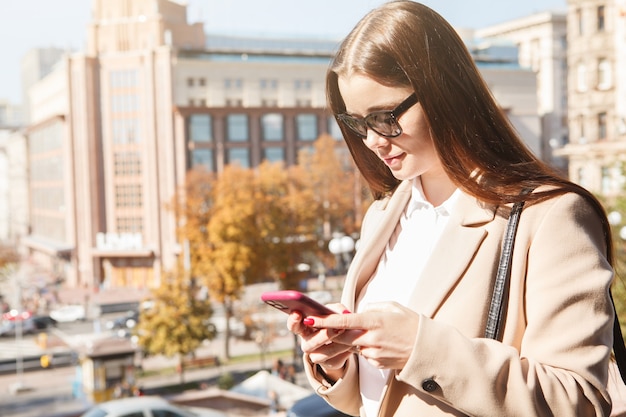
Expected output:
(167, 162)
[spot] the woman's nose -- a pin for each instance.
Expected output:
(373, 140)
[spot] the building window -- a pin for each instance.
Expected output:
(601, 19)
(128, 195)
(237, 127)
(581, 77)
(129, 225)
(123, 79)
(127, 164)
(274, 154)
(124, 103)
(602, 125)
(234, 102)
(606, 180)
(233, 84)
(334, 129)
(306, 125)
(125, 131)
(270, 84)
(579, 21)
(604, 74)
(202, 157)
(240, 156)
(200, 128)
(201, 82)
(190, 82)
(581, 126)
(272, 127)
(582, 179)
(303, 102)
(302, 84)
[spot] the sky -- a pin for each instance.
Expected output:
(27, 24)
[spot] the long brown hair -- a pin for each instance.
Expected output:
(406, 44)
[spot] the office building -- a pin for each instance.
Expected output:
(541, 41)
(597, 94)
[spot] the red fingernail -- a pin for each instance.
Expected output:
(308, 321)
(346, 311)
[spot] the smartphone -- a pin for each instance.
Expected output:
(288, 301)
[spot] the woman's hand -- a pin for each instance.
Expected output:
(384, 333)
(320, 344)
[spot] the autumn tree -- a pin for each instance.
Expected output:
(286, 223)
(339, 197)
(178, 321)
(253, 225)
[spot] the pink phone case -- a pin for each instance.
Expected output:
(288, 301)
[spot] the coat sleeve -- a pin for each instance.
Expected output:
(554, 356)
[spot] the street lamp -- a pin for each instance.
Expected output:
(615, 219)
(341, 246)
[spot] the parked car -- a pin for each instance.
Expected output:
(313, 406)
(44, 322)
(9, 327)
(127, 321)
(68, 313)
(150, 406)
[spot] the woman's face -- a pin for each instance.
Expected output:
(408, 155)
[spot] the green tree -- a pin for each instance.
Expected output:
(178, 322)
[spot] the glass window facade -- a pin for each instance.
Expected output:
(200, 128)
(202, 157)
(274, 154)
(602, 129)
(306, 125)
(272, 127)
(237, 128)
(333, 128)
(605, 80)
(239, 156)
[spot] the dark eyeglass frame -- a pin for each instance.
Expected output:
(359, 125)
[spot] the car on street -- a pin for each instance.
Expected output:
(44, 322)
(8, 328)
(127, 321)
(68, 313)
(149, 406)
(313, 406)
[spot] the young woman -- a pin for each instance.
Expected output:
(445, 166)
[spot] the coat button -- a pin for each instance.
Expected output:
(429, 385)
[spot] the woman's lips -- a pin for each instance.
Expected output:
(390, 161)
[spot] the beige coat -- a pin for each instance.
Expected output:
(558, 329)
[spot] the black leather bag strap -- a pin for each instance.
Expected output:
(500, 288)
(619, 350)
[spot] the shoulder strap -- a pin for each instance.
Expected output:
(619, 350)
(496, 309)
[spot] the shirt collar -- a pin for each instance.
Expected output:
(418, 201)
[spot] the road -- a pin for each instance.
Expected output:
(49, 392)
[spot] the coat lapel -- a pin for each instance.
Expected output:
(455, 249)
(457, 245)
(381, 222)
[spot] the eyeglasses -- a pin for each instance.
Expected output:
(385, 123)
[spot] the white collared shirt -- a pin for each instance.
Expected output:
(398, 271)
